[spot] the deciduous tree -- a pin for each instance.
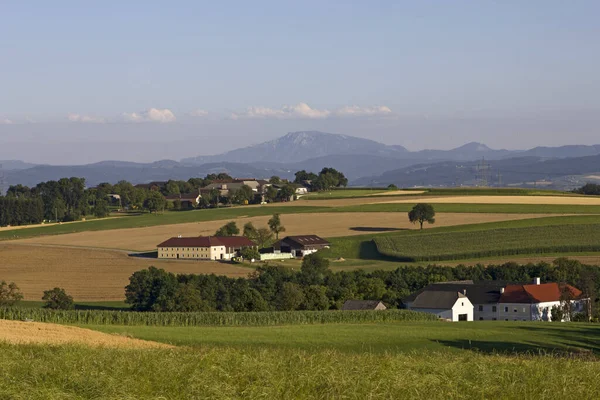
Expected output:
(422, 213)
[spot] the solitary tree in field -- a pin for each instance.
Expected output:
(275, 225)
(57, 299)
(422, 213)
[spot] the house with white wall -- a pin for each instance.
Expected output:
(501, 301)
(534, 302)
(450, 305)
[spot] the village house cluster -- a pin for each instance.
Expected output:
(230, 247)
(496, 300)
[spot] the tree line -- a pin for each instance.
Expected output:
(316, 287)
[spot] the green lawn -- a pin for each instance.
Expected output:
(363, 246)
(399, 337)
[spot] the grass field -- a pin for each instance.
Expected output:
(491, 243)
(72, 372)
(363, 247)
(396, 337)
(433, 360)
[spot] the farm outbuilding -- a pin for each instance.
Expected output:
(203, 247)
(351, 305)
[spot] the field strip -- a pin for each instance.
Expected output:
(323, 224)
(89, 274)
(17, 332)
(552, 200)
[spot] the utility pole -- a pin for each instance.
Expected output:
(499, 178)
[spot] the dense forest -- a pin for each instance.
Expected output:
(68, 199)
(316, 287)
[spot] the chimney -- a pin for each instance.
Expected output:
(501, 290)
(536, 281)
(465, 292)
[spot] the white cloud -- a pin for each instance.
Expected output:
(300, 110)
(6, 121)
(356, 111)
(303, 110)
(85, 119)
(151, 115)
(199, 113)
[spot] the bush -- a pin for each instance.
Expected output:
(57, 299)
(9, 294)
(250, 253)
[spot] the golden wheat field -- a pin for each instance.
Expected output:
(322, 224)
(88, 274)
(17, 332)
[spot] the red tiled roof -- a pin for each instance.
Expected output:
(208, 241)
(544, 292)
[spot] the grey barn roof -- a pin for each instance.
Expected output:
(440, 300)
(483, 292)
(360, 305)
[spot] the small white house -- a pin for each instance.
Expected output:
(450, 305)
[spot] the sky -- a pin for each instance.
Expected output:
(141, 81)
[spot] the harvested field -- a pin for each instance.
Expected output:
(568, 200)
(17, 332)
(322, 224)
(88, 274)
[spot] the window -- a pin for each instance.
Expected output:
(506, 310)
(506, 319)
(462, 304)
(524, 309)
(481, 309)
(514, 310)
(493, 319)
(481, 318)
(493, 308)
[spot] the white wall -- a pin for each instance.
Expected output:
(462, 306)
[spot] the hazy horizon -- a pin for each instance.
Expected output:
(91, 82)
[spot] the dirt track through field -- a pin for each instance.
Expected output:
(87, 274)
(322, 224)
(17, 332)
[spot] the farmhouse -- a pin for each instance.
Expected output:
(203, 247)
(534, 302)
(449, 304)
(188, 201)
(499, 300)
(301, 246)
(350, 305)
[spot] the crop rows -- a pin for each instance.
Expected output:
(96, 317)
(423, 246)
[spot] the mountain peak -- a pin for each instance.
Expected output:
(474, 146)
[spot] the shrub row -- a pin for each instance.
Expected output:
(96, 317)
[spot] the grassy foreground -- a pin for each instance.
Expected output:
(36, 372)
(409, 360)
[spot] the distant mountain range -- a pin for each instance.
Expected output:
(365, 162)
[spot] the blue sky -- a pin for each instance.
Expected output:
(182, 78)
